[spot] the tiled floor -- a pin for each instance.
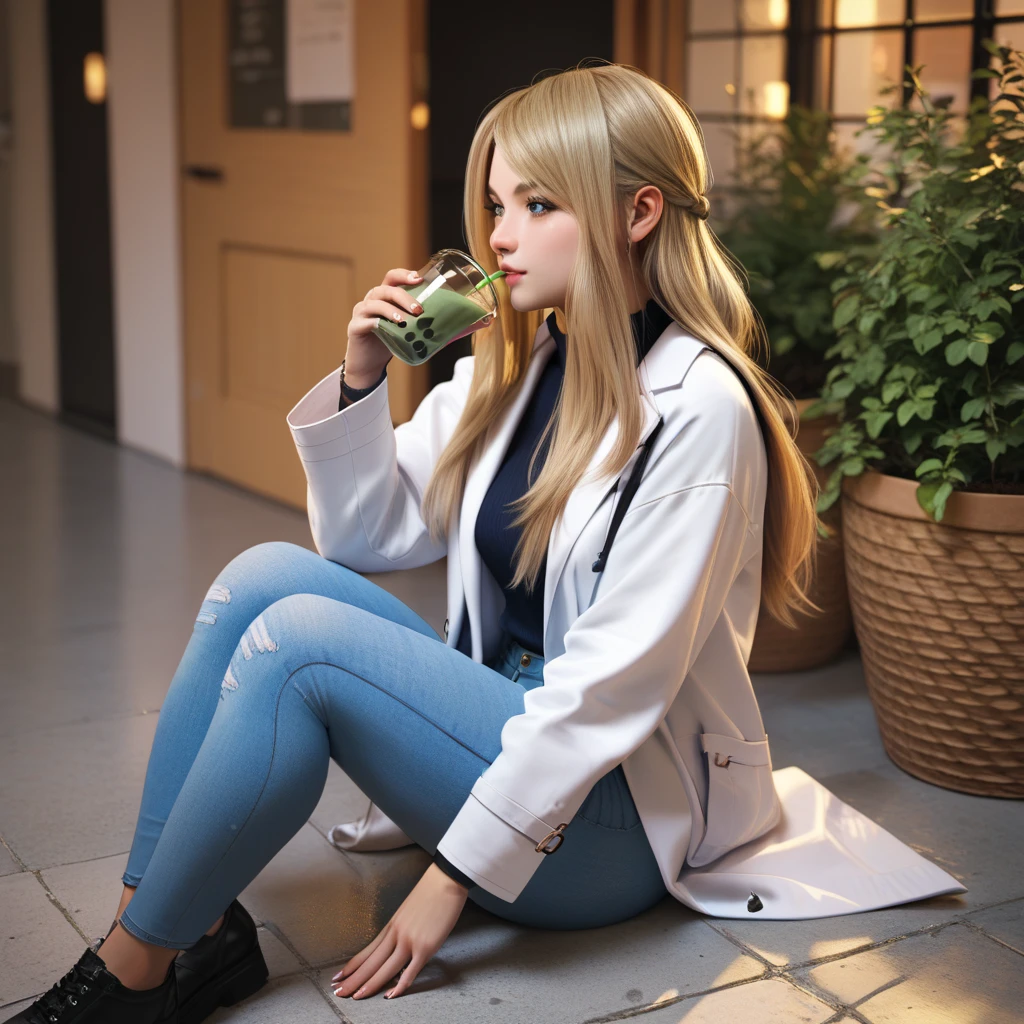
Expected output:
(106, 555)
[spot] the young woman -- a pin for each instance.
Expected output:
(585, 739)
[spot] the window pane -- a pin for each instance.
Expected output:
(761, 14)
(1004, 8)
(720, 142)
(863, 63)
(824, 13)
(946, 54)
(943, 10)
(824, 72)
(1011, 35)
(854, 13)
(712, 16)
(762, 76)
(710, 69)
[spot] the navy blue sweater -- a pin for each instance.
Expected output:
(495, 537)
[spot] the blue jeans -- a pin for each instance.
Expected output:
(295, 660)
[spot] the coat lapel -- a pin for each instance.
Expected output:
(664, 367)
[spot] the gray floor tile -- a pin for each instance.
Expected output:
(329, 904)
(492, 971)
(294, 1000)
(72, 793)
(8, 865)
(950, 977)
(13, 1009)
(37, 945)
(89, 891)
(1005, 923)
(821, 720)
(281, 961)
(774, 1001)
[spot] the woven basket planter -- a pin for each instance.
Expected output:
(939, 612)
(817, 638)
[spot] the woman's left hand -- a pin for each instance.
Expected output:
(416, 931)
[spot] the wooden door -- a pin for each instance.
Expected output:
(284, 231)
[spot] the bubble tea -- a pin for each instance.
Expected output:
(457, 297)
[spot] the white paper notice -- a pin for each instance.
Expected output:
(321, 51)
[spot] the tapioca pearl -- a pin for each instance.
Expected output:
(419, 348)
(428, 333)
(411, 336)
(424, 321)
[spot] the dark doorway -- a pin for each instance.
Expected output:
(474, 59)
(81, 193)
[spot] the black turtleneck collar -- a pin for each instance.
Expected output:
(648, 324)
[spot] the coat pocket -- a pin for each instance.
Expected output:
(742, 803)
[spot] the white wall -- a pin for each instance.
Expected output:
(33, 304)
(142, 122)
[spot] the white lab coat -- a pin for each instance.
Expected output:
(645, 663)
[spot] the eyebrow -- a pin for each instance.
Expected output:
(523, 186)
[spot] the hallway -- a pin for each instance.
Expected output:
(106, 554)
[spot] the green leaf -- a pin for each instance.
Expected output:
(1014, 352)
(928, 466)
(932, 497)
(973, 408)
(988, 332)
(977, 352)
(994, 447)
(892, 389)
(956, 351)
(905, 412)
(927, 341)
(845, 311)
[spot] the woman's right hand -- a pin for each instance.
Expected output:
(366, 355)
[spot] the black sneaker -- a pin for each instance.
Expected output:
(220, 969)
(90, 994)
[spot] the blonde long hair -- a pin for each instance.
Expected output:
(589, 138)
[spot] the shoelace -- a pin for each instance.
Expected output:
(52, 1004)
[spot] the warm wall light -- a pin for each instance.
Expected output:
(778, 11)
(776, 99)
(420, 115)
(94, 77)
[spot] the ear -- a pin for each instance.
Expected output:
(647, 206)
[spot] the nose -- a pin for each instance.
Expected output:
(502, 241)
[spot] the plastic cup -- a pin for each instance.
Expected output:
(457, 297)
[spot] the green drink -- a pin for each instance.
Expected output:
(457, 297)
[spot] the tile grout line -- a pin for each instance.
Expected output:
(988, 935)
(308, 970)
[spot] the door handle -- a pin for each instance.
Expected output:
(204, 172)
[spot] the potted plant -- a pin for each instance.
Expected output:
(928, 459)
(792, 213)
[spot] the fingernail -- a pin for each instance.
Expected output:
(361, 991)
(412, 277)
(387, 995)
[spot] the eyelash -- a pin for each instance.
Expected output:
(493, 207)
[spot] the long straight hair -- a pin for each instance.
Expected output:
(588, 138)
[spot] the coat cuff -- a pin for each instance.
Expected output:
(321, 431)
(495, 854)
(452, 871)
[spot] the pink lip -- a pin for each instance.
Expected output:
(513, 278)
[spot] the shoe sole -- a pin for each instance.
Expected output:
(247, 977)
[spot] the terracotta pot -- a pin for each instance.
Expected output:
(817, 638)
(939, 613)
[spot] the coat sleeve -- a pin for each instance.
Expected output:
(365, 478)
(664, 585)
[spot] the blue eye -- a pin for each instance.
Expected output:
(495, 207)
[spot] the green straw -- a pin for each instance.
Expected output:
(488, 280)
